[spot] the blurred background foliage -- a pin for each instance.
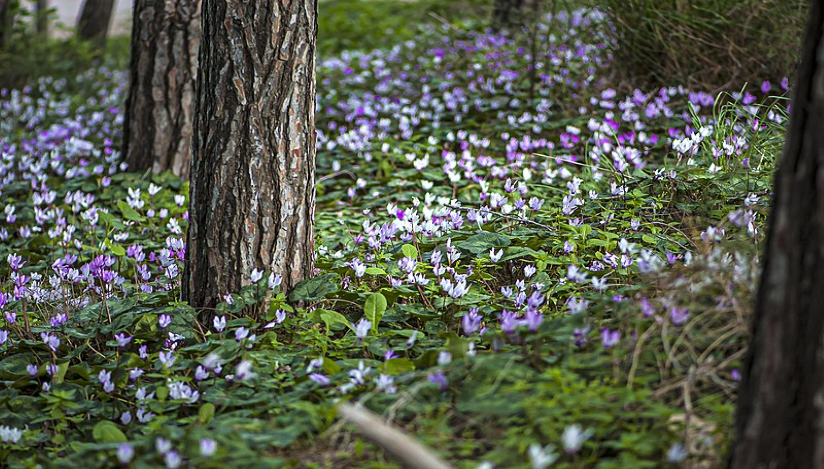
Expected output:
(704, 44)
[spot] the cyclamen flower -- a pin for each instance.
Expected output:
(437, 377)
(610, 338)
(471, 322)
(362, 328)
(166, 358)
(679, 315)
(574, 437)
(386, 384)
(244, 371)
(125, 453)
(541, 457)
(256, 275)
(10, 434)
(320, 379)
(172, 459)
(495, 256)
(219, 323)
(122, 339)
(164, 320)
(207, 447)
(274, 280)
(4, 336)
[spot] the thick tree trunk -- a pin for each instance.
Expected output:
(507, 14)
(160, 109)
(93, 23)
(780, 418)
(252, 190)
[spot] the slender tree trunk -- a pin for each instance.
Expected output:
(507, 14)
(93, 23)
(41, 13)
(6, 20)
(252, 192)
(160, 109)
(780, 418)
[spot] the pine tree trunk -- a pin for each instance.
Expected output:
(93, 23)
(41, 13)
(252, 191)
(780, 417)
(507, 15)
(6, 21)
(160, 110)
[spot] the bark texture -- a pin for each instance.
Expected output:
(252, 192)
(507, 14)
(780, 417)
(160, 109)
(93, 23)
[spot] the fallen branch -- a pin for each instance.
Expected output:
(394, 441)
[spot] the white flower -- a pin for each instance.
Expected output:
(495, 256)
(10, 434)
(676, 453)
(541, 457)
(244, 371)
(574, 437)
(256, 275)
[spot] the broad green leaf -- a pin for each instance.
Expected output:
(483, 242)
(409, 251)
(333, 320)
(374, 308)
(107, 432)
(375, 271)
(314, 289)
(129, 213)
(395, 366)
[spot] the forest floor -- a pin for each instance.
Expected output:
(519, 269)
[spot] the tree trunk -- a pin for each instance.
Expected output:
(252, 192)
(41, 12)
(6, 21)
(163, 70)
(93, 23)
(507, 15)
(780, 417)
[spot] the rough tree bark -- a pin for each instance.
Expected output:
(93, 22)
(507, 14)
(252, 192)
(780, 417)
(160, 110)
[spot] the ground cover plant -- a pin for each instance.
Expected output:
(522, 270)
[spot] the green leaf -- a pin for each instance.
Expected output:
(375, 271)
(116, 249)
(205, 413)
(314, 289)
(333, 320)
(396, 366)
(107, 432)
(483, 242)
(128, 212)
(409, 251)
(374, 308)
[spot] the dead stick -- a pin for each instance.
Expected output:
(394, 441)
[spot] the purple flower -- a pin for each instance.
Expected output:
(122, 339)
(609, 338)
(4, 336)
(735, 375)
(164, 320)
(471, 322)
(437, 377)
(679, 315)
(320, 379)
(219, 323)
(125, 453)
(207, 447)
(362, 328)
